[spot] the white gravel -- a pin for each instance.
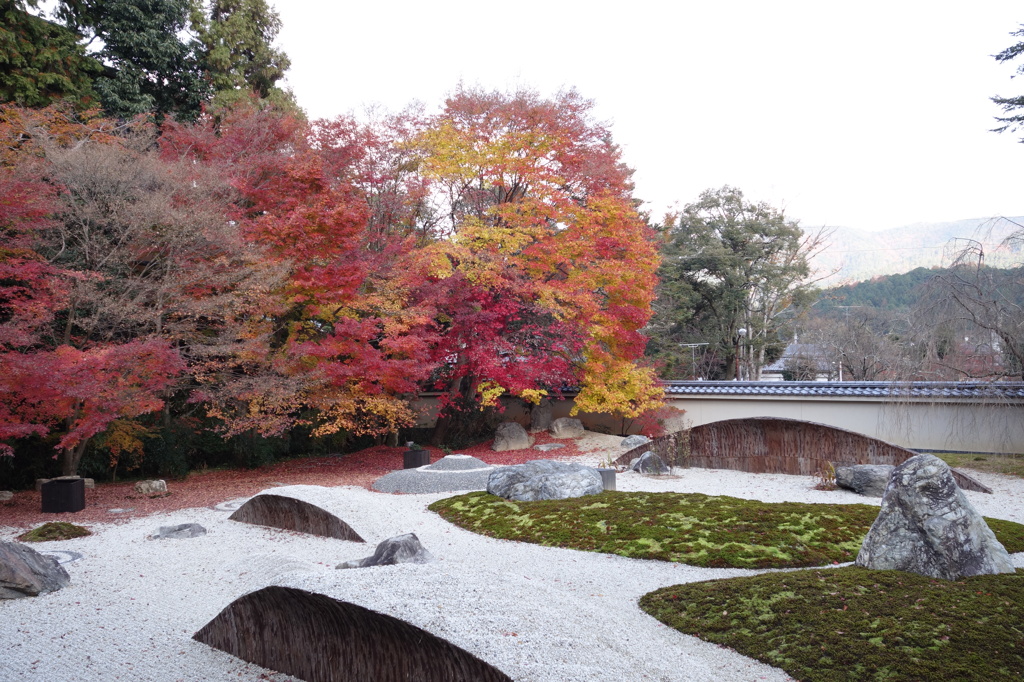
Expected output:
(536, 613)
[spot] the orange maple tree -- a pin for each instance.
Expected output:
(548, 269)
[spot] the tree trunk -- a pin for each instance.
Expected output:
(70, 458)
(444, 420)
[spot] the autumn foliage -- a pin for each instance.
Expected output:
(275, 273)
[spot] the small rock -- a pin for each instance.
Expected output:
(90, 483)
(6, 495)
(511, 436)
(547, 447)
(928, 526)
(634, 441)
(864, 479)
(544, 479)
(25, 572)
(401, 549)
(151, 487)
(183, 530)
(649, 463)
(566, 427)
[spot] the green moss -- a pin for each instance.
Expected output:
(1010, 465)
(856, 624)
(701, 530)
(54, 530)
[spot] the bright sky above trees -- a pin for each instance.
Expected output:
(870, 115)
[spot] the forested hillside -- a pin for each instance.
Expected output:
(890, 292)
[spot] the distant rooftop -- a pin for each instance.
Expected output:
(976, 390)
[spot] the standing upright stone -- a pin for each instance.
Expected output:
(541, 416)
(927, 526)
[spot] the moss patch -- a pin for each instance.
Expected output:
(1010, 465)
(856, 624)
(691, 528)
(54, 530)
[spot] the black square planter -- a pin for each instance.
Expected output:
(415, 458)
(63, 495)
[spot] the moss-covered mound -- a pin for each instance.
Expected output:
(854, 624)
(54, 530)
(691, 528)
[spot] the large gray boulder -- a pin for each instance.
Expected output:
(634, 441)
(511, 436)
(649, 463)
(927, 526)
(865, 479)
(25, 572)
(541, 416)
(401, 549)
(544, 479)
(566, 427)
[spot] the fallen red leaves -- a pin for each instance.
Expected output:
(206, 489)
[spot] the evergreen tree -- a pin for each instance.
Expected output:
(151, 66)
(238, 54)
(1011, 106)
(735, 268)
(41, 62)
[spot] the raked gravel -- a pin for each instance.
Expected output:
(537, 613)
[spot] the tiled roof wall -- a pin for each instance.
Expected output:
(866, 389)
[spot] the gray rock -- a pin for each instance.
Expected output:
(511, 436)
(184, 530)
(6, 495)
(541, 416)
(927, 526)
(25, 572)
(566, 427)
(150, 487)
(547, 447)
(634, 441)
(543, 479)
(649, 463)
(865, 479)
(401, 549)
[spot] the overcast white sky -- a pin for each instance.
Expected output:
(867, 115)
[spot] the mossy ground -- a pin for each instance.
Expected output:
(1011, 465)
(690, 528)
(854, 624)
(54, 530)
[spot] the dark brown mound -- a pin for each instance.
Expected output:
(774, 445)
(319, 639)
(288, 513)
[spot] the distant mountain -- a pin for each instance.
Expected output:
(857, 255)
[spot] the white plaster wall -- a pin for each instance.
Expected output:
(918, 425)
